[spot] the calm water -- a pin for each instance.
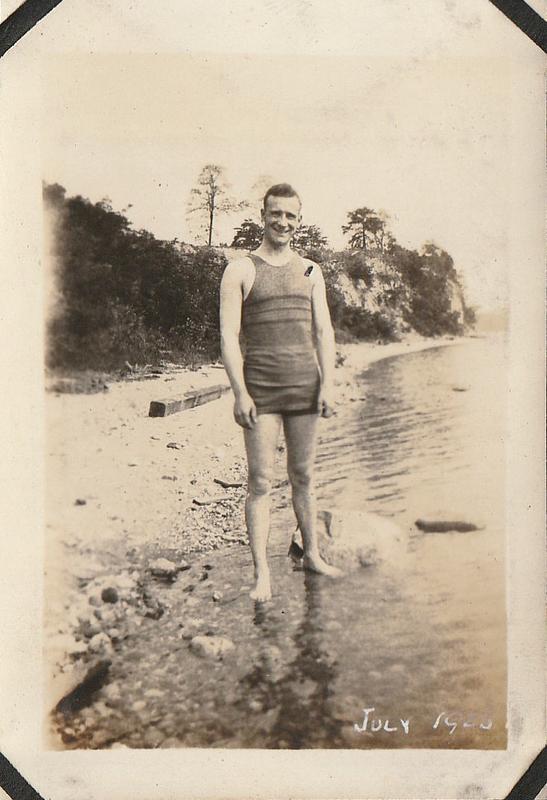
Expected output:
(411, 640)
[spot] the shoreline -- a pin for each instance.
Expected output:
(122, 489)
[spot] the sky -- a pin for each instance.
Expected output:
(422, 134)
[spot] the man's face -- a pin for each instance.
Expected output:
(281, 219)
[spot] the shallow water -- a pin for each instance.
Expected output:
(410, 640)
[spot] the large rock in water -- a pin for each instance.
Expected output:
(350, 539)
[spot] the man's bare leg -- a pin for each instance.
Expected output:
(260, 444)
(300, 436)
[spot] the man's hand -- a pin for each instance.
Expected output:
(245, 411)
(325, 403)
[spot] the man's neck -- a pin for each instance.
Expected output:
(275, 255)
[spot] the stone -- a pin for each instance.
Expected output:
(100, 739)
(119, 746)
(80, 502)
(351, 538)
(110, 595)
(95, 599)
(446, 526)
(76, 690)
(228, 484)
(172, 741)
(151, 693)
(107, 616)
(207, 501)
(112, 692)
(138, 705)
(163, 568)
(90, 629)
(213, 647)
(102, 709)
(217, 596)
(153, 737)
(100, 642)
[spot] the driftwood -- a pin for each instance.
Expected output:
(196, 397)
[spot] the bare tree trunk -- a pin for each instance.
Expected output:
(211, 220)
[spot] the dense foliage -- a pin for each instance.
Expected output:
(123, 295)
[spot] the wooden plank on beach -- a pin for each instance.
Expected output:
(196, 397)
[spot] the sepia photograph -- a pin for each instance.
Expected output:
(279, 321)
(276, 353)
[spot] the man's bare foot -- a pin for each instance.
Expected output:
(316, 564)
(262, 591)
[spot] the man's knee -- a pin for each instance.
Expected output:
(259, 485)
(300, 477)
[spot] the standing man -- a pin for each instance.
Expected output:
(285, 377)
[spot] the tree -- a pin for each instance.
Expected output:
(248, 236)
(365, 227)
(309, 240)
(211, 197)
(258, 190)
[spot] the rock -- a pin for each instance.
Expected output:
(154, 693)
(217, 596)
(119, 746)
(77, 689)
(207, 501)
(100, 739)
(215, 647)
(228, 484)
(110, 595)
(350, 538)
(90, 629)
(100, 642)
(169, 478)
(172, 741)
(101, 709)
(138, 705)
(80, 502)
(112, 692)
(163, 568)
(174, 446)
(446, 526)
(107, 616)
(153, 737)
(114, 633)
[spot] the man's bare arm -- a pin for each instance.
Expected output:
(326, 347)
(231, 300)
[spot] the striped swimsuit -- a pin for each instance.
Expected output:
(280, 366)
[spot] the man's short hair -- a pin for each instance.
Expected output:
(281, 190)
